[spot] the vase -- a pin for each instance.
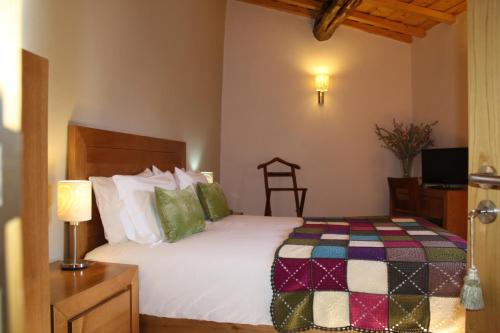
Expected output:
(406, 165)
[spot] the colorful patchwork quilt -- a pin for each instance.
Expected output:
(367, 274)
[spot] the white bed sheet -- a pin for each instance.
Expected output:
(222, 274)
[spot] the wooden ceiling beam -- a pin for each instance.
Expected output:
(386, 24)
(284, 7)
(309, 4)
(332, 15)
(378, 31)
(410, 8)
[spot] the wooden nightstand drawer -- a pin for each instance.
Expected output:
(102, 298)
(111, 316)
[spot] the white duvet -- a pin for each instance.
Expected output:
(222, 274)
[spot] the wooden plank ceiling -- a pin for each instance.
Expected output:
(402, 20)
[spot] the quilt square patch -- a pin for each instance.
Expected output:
(402, 244)
(403, 219)
(292, 275)
(305, 236)
(354, 243)
(363, 228)
(389, 228)
(329, 251)
(301, 241)
(408, 278)
(365, 237)
(396, 238)
(429, 238)
(411, 225)
(368, 311)
(331, 309)
(447, 315)
(334, 242)
(446, 278)
(329, 274)
(293, 311)
(436, 254)
(334, 236)
(295, 251)
(337, 229)
(337, 223)
(309, 230)
(384, 224)
(409, 313)
(356, 276)
(437, 244)
(392, 233)
(406, 254)
(421, 232)
(367, 253)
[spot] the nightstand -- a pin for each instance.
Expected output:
(101, 298)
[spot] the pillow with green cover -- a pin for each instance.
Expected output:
(180, 213)
(213, 200)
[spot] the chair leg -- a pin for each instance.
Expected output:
(268, 204)
(302, 202)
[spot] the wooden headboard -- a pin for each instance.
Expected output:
(94, 152)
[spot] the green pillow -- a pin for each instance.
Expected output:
(180, 213)
(213, 200)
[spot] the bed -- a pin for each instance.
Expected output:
(206, 301)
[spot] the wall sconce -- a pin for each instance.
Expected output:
(322, 81)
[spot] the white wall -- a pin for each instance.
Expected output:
(439, 83)
(269, 109)
(439, 79)
(152, 69)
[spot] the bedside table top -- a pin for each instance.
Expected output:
(64, 284)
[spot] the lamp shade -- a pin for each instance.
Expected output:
(74, 200)
(322, 82)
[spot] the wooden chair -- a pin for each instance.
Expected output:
(404, 196)
(299, 204)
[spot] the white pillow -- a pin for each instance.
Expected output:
(111, 208)
(138, 195)
(185, 179)
(156, 171)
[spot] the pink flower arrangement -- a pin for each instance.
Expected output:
(406, 141)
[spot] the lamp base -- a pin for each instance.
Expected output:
(70, 265)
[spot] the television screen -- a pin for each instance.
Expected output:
(447, 166)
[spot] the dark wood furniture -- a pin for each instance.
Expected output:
(446, 205)
(35, 193)
(299, 203)
(94, 152)
(102, 298)
(404, 196)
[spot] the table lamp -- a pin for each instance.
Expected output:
(74, 205)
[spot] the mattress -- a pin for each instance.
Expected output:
(222, 274)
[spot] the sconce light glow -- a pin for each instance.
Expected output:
(322, 83)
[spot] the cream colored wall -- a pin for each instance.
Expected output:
(269, 109)
(152, 69)
(439, 83)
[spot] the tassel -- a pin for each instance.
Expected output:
(472, 294)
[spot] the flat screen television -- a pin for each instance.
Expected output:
(446, 167)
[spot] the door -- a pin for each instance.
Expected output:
(484, 149)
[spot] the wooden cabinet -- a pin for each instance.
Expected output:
(450, 206)
(102, 298)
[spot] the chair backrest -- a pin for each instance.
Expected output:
(404, 196)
